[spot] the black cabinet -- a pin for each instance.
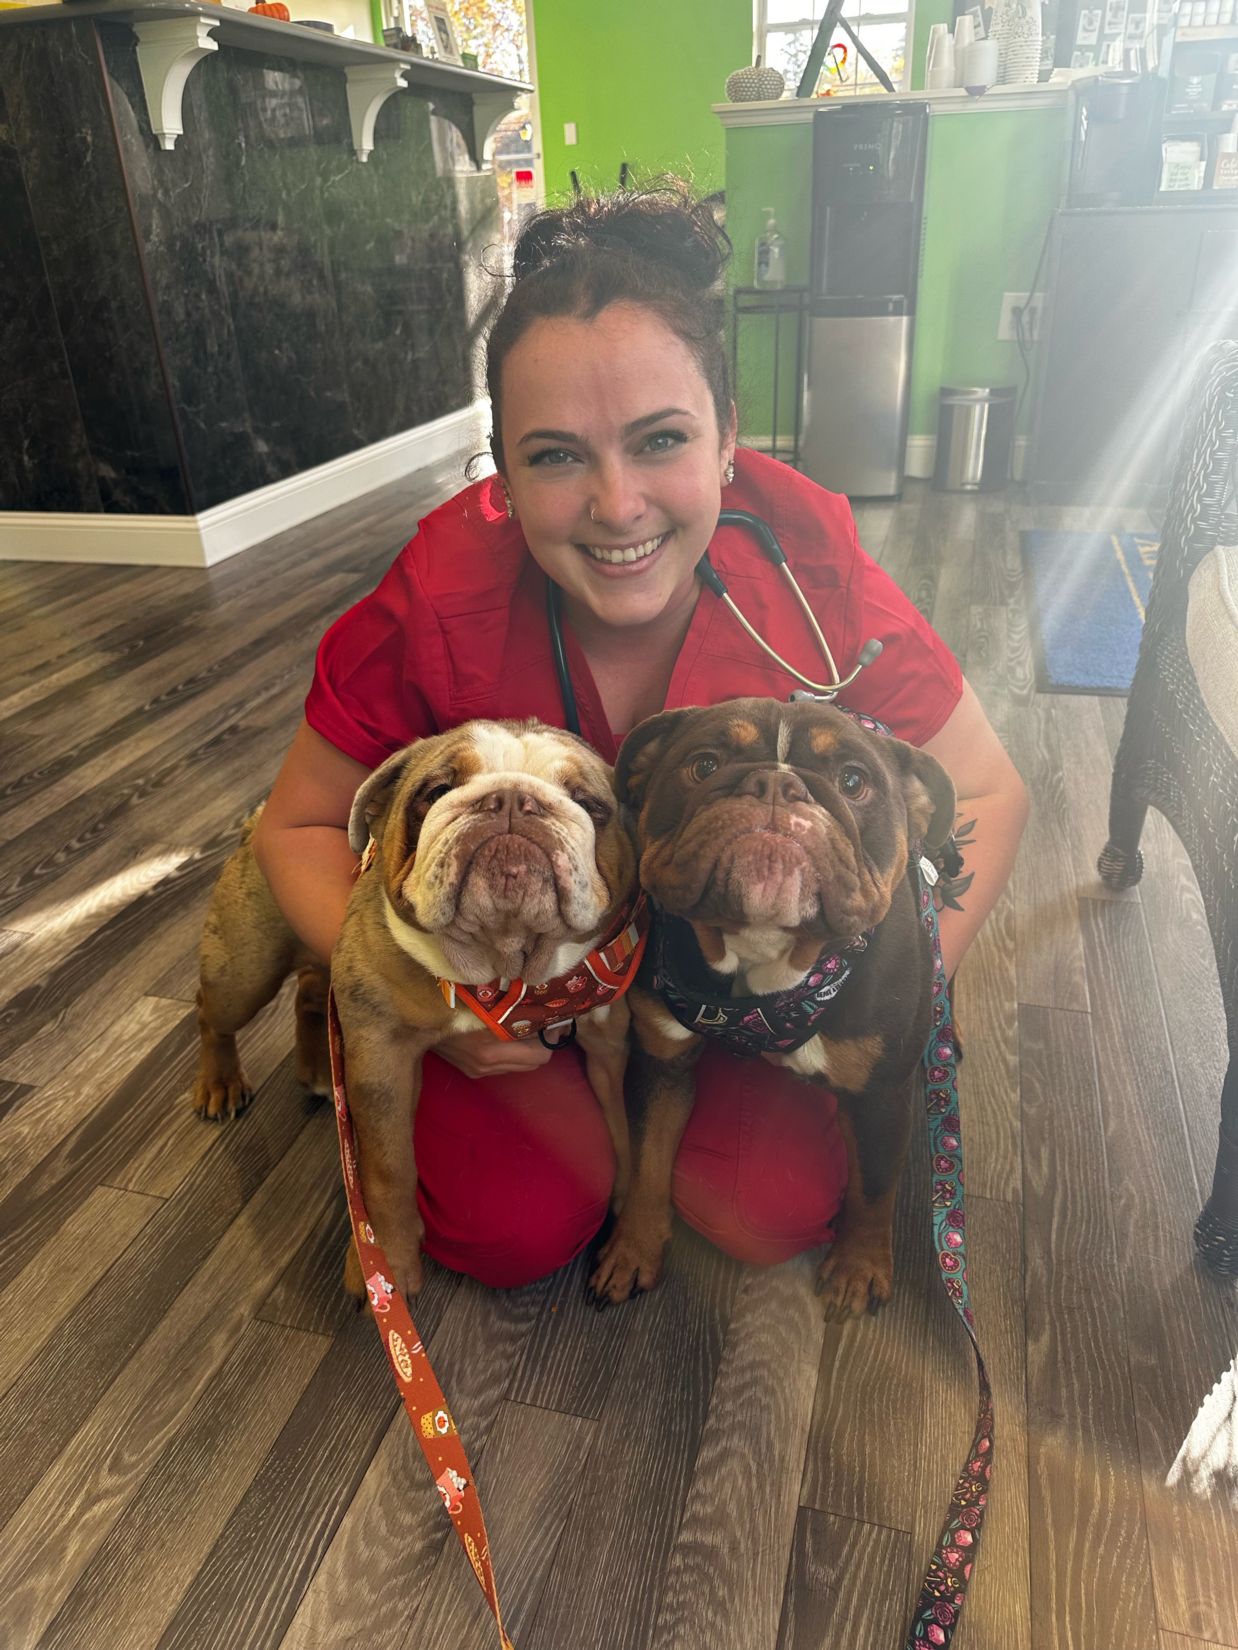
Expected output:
(1133, 296)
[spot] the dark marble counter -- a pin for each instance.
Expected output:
(183, 326)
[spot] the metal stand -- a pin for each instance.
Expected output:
(775, 301)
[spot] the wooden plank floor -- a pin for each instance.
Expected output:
(201, 1445)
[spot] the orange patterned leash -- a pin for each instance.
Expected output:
(422, 1396)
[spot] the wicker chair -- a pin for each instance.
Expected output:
(1175, 758)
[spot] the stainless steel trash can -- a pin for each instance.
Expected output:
(975, 439)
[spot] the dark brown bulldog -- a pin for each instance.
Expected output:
(774, 840)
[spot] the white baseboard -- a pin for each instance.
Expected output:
(225, 529)
(922, 455)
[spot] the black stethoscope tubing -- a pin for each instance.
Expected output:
(708, 575)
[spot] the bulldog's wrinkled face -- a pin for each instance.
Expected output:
(759, 814)
(503, 832)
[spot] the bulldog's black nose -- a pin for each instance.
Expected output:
(774, 785)
(514, 801)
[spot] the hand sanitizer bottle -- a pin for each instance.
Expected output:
(771, 254)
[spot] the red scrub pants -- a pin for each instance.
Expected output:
(514, 1172)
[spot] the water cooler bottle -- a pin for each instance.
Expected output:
(868, 195)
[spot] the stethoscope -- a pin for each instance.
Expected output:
(708, 575)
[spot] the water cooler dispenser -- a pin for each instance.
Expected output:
(868, 196)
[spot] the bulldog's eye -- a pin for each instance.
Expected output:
(598, 810)
(853, 783)
(702, 766)
(435, 794)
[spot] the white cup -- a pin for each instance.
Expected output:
(939, 55)
(964, 34)
(979, 64)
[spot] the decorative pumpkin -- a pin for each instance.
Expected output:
(273, 8)
(755, 84)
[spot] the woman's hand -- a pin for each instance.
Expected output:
(482, 1054)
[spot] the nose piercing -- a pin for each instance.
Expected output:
(593, 512)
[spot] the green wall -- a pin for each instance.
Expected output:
(927, 13)
(638, 79)
(994, 177)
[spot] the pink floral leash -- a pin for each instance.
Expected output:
(418, 1387)
(944, 1588)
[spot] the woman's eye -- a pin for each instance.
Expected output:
(665, 441)
(554, 456)
(702, 766)
(853, 783)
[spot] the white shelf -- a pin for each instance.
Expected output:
(792, 111)
(175, 35)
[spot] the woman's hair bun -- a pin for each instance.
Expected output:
(663, 224)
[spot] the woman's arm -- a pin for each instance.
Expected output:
(992, 800)
(301, 843)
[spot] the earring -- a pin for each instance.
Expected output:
(507, 500)
(729, 473)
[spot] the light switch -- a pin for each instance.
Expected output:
(569, 131)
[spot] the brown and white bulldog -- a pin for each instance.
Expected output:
(774, 841)
(499, 856)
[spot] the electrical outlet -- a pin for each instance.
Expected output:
(1029, 305)
(569, 131)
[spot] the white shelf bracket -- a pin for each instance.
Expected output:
(168, 48)
(369, 86)
(474, 115)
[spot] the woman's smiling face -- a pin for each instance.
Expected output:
(614, 459)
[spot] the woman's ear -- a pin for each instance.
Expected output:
(639, 754)
(730, 436)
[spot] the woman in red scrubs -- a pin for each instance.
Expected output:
(614, 443)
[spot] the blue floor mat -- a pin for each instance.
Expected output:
(1086, 595)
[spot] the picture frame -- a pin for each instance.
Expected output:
(1115, 17)
(1089, 27)
(442, 33)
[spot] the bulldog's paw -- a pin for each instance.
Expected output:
(403, 1252)
(855, 1278)
(221, 1095)
(628, 1263)
(312, 1069)
(407, 1279)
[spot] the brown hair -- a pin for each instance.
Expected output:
(658, 247)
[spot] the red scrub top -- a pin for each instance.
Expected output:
(514, 1172)
(457, 627)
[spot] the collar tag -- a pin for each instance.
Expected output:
(928, 871)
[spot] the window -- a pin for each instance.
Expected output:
(785, 30)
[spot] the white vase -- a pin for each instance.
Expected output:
(1016, 28)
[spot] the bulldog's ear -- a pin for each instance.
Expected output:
(373, 797)
(639, 753)
(929, 792)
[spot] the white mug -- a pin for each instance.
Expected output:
(979, 65)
